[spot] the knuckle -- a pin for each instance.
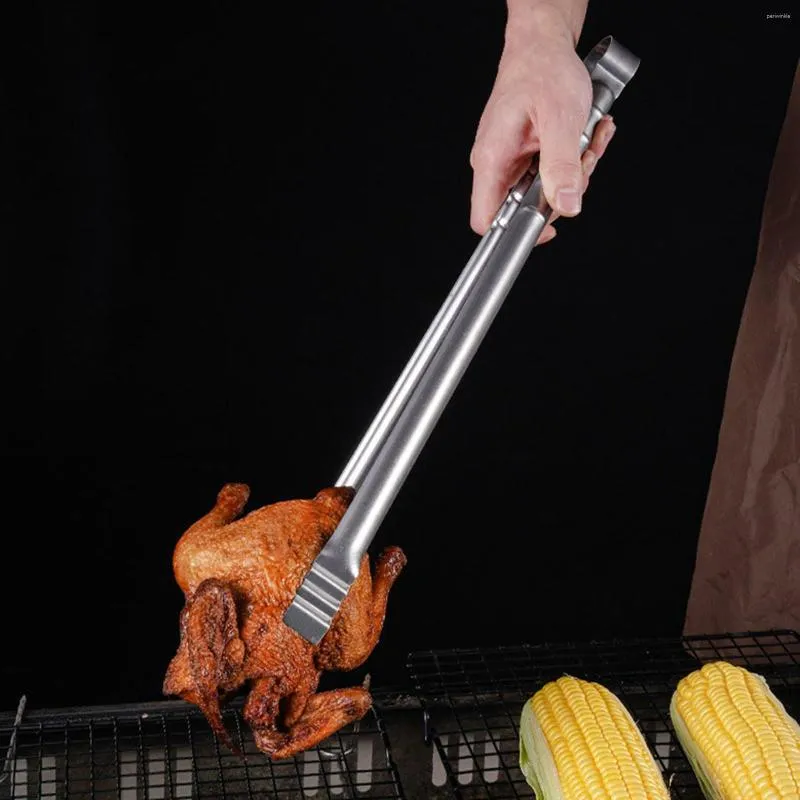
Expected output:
(482, 158)
(568, 101)
(589, 161)
(562, 169)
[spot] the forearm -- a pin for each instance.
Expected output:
(526, 17)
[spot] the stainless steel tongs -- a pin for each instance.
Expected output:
(394, 440)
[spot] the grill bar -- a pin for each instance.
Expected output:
(168, 751)
(472, 698)
(469, 701)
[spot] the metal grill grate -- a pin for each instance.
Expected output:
(473, 698)
(166, 750)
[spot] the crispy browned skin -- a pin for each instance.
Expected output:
(238, 578)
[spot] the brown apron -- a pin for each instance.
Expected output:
(747, 573)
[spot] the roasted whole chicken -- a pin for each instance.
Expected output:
(238, 577)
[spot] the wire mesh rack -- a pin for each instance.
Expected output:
(472, 698)
(167, 750)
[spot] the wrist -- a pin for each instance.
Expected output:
(553, 19)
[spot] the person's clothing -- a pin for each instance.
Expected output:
(747, 574)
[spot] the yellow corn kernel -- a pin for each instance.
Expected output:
(578, 742)
(740, 740)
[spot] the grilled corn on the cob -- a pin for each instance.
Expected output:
(579, 742)
(737, 735)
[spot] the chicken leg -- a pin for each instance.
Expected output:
(357, 627)
(324, 714)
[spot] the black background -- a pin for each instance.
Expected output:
(225, 232)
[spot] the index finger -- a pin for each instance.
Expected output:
(499, 157)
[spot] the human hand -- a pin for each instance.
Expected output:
(540, 103)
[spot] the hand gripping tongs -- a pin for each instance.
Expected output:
(383, 459)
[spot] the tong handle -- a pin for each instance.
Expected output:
(610, 67)
(513, 235)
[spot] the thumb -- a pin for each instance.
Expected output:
(561, 118)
